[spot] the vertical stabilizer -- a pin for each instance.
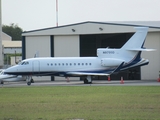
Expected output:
(137, 40)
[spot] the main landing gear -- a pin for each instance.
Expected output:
(88, 80)
(29, 80)
(2, 82)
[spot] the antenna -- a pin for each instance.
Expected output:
(57, 13)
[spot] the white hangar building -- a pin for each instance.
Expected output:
(83, 39)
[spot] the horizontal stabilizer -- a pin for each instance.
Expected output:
(141, 49)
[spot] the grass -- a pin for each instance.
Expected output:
(88, 103)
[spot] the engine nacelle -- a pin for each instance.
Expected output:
(110, 62)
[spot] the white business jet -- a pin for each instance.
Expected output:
(10, 78)
(107, 61)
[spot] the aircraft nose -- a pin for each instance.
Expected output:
(10, 70)
(6, 71)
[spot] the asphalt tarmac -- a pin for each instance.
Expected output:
(80, 83)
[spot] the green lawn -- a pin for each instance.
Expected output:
(88, 103)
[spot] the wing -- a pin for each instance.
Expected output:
(84, 73)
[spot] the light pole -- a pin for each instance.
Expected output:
(1, 57)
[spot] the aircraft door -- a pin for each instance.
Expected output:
(36, 66)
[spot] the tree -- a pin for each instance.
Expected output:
(13, 30)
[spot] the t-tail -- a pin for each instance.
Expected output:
(129, 53)
(136, 42)
(134, 47)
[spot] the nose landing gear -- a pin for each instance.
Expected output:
(29, 80)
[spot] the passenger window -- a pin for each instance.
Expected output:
(63, 64)
(82, 63)
(89, 63)
(78, 63)
(86, 63)
(70, 63)
(66, 63)
(55, 64)
(48, 64)
(74, 63)
(51, 64)
(59, 64)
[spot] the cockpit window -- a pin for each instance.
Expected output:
(2, 72)
(19, 63)
(24, 63)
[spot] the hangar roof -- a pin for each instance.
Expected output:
(91, 27)
(155, 24)
(6, 37)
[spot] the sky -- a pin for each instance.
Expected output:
(38, 14)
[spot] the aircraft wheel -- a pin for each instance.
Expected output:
(2, 82)
(28, 83)
(89, 82)
(32, 81)
(85, 81)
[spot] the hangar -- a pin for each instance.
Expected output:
(83, 39)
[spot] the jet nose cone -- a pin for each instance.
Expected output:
(9, 70)
(6, 71)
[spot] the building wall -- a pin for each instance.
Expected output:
(151, 71)
(12, 50)
(66, 46)
(16, 59)
(40, 44)
(6, 37)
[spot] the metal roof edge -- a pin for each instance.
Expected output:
(94, 22)
(55, 27)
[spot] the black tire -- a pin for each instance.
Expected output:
(89, 82)
(28, 83)
(85, 81)
(32, 81)
(2, 82)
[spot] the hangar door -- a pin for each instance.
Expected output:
(90, 43)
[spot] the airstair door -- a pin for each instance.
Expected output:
(36, 67)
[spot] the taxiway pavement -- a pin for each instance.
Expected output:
(80, 83)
